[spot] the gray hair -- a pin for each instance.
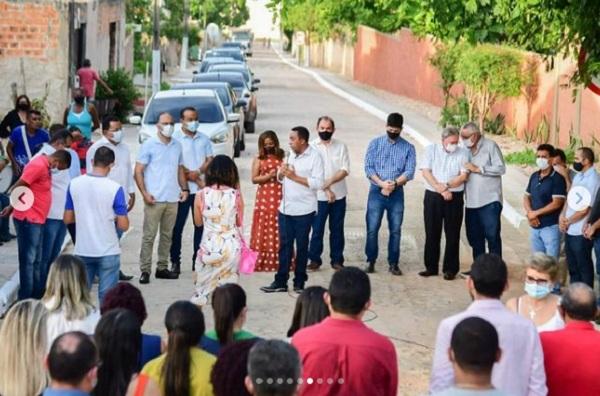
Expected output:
(579, 302)
(471, 127)
(545, 264)
(450, 131)
(274, 367)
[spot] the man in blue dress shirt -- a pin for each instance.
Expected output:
(389, 164)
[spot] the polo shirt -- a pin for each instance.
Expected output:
(195, 150)
(541, 191)
(96, 202)
(40, 136)
(37, 176)
(346, 358)
(60, 183)
(161, 171)
(590, 181)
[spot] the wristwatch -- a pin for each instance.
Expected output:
(185, 190)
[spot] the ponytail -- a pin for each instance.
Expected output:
(228, 302)
(185, 324)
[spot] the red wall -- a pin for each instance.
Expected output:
(400, 64)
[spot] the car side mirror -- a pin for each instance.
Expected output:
(254, 89)
(256, 81)
(241, 103)
(195, 72)
(247, 95)
(233, 117)
(135, 119)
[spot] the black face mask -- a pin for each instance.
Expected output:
(23, 106)
(325, 135)
(393, 136)
(79, 99)
(578, 166)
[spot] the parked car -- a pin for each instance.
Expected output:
(217, 60)
(241, 89)
(215, 122)
(226, 52)
(239, 67)
(231, 104)
(244, 36)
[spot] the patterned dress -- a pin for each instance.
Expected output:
(265, 231)
(218, 258)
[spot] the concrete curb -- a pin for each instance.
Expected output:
(508, 211)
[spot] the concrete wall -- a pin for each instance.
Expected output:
(33, 52)
(336, 55)
(399, 63)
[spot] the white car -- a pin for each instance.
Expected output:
(215, 123)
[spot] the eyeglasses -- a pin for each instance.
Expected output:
(530, 279)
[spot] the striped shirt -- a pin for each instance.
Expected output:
(445, 166)
(390, 159)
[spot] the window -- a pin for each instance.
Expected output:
(208, 109)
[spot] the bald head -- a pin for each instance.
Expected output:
(579, 302)
(72, 356)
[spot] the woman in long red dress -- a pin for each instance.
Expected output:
(265, 231)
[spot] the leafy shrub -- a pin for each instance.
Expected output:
(164, 86)
(525, 157)
(455, 113)
(495, 126)
(124, 92)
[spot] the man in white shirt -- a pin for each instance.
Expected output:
(160, 177)
(95, 203)
(55, 230)
(331, 198)
(197, 154)
(444, 171)
(302, 176)
(520, 370)
(122, 171)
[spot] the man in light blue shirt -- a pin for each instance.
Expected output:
(197, 154)
(160, 177)
(578, 248)
(390, 163)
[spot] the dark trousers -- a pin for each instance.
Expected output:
(4, 225)
(579, 259)
(448, 215)
(336, 212)
(53, 238)
(483, 224)
(183, 210)
(293, 228)
(29, 241)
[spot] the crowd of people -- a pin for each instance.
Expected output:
(87, 189)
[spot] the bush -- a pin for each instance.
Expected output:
(525, 157)
(495, 126)
(124, 92)
(164, 86)
(455, 113)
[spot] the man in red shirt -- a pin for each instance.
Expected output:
(29, 220)
(572, 355)
(341, 356)
(87, 79)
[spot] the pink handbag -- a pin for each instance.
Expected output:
(247, 259)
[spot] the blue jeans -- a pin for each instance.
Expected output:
(579, 259)
(293, 228)
(336, 212)
(54, 236)
(394, 206)
(4, 230)
(183, 210)
(107, 270)
(545, 240)
(483, 224)
(29, 240)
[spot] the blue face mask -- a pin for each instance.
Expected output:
(537, 291)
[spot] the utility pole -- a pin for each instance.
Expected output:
(185, 40)
(156, 69)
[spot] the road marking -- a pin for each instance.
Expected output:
(509, 212)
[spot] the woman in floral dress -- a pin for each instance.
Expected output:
(219, 208)
(265, 231)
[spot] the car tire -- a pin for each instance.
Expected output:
(249, 127)
(236, 150)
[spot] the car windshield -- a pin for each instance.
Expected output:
(236, 80)
(241, 36)
(227, 52)
(208, 108)
(215, 68)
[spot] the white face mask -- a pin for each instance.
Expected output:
(542, 163)
(468, 143)
(192, 126)
(451, 147)
(117, 136)
(167, 130)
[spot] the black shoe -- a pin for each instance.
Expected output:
(7, 238)
(449, 276)
(274, 288)
(176, 267)
(337, 266)
(313, 266)
(298, 289)
(427, 273)
(465, 274)
(123, 277)
(395, 270)
(165, 274)
(145, 278)
(370, 268)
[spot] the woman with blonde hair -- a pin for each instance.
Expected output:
(538, 304)
(68, 298)
(22, 350)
